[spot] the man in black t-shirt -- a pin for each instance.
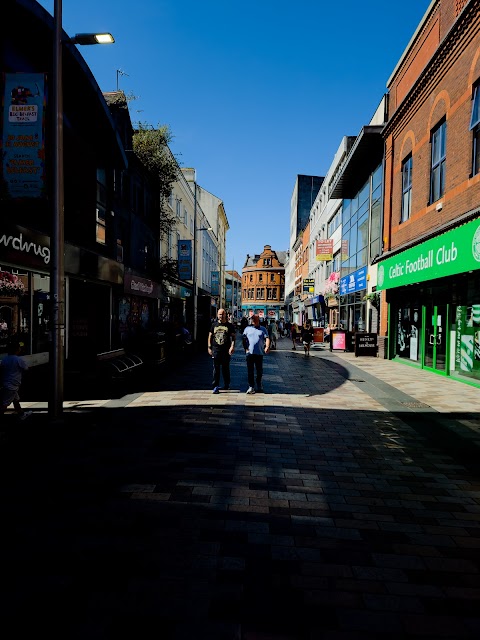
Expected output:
(221, 345)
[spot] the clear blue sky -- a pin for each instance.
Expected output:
(255, 92)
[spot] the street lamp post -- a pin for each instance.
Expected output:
(57, 273)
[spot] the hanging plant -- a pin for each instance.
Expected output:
(374, 299)
(10, 285)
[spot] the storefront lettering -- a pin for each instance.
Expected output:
(19, 244)
(140, 286)
(443, 255)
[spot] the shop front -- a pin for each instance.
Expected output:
(353, 289)
(433, 292)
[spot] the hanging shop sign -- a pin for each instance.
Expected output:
(23, 140)
(355, 281)
(456, 251)
(185, 259)
(215, 283)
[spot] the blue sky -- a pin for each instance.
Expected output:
(255, 92)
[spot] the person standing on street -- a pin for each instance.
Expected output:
(257, 344)
(12, 368)
(221, 345)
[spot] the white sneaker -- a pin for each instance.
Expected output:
(250, 390)
(25, 415)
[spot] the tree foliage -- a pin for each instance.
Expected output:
(151, 148)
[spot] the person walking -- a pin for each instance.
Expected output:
(293, 335)
(273, 334)
(256, 344)
(221, 345)
(307, 336)
(12, 368)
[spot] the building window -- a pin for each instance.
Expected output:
(439, 150)
(272, 277)
(475, 128)
(406, 189)
(267, 262)
(260, 277)
(251, 277)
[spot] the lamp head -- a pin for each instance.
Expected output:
(92, 38)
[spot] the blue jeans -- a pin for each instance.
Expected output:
(254, 362)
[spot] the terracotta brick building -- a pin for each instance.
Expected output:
(430, 266)
(263, 284)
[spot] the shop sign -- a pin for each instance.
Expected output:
(140, 286)
(24, 246)
(356, 281)
(185, 259)
(308, 285)
(450, 253)
(324, 249)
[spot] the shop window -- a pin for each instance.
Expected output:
(406, 189)
(475, 128)
(409, 332)
(438, 162)
(467, 340)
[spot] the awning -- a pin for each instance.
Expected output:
(366, 153)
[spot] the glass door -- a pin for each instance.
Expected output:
(436, 331)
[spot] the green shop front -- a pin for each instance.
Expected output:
(433, 293)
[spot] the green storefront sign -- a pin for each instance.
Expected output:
(453, 252)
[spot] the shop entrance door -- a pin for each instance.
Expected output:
(436, 331)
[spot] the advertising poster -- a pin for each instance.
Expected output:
(23, 140)
(339, 340)
(308, 285)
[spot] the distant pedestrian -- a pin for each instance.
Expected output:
(293, 334)
(273, 334)
(307, 336)
(12, 368)
(326, 334)
(256, 344)
(221, 345)
(243, 323)
(288, 328)
(281, 328)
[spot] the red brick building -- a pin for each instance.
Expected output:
(430, 266)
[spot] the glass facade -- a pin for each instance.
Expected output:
(361, 242)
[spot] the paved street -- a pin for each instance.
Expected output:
(341, 504)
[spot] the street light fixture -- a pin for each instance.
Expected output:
(57, 277)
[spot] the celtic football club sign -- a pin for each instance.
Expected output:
(453, 252)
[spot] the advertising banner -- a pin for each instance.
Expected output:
(215, 283)
(338, 340)
(23, 140)
(228, 292)
(324, 250)
(185, 259)
(455, 251)
(344, 250)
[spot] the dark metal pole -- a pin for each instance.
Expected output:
(57, 290)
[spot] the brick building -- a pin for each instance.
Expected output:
(263, 284)
(430, 265)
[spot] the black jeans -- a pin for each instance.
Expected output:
(221, 362)
(254, 362)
